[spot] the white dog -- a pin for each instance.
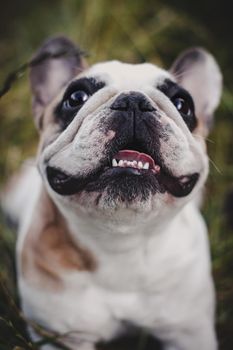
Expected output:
(109, 228)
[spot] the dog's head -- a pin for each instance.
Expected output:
(118, 135)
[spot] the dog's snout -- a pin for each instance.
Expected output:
(133, 116)
(133, 101)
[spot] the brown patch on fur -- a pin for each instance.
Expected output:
(49, 250)
(201, 132)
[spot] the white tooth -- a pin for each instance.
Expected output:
(146, 166)
(114, 162)
(121, 163)
(135, 163)
(140, 165)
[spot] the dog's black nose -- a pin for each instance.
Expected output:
(132, 101)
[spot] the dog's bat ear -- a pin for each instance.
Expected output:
(56, 62)
(197, 71)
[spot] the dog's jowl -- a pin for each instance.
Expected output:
(110, 231)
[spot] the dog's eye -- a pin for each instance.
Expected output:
(182, 106)
(186, 109)
(71, 104)
(76, 95)
(75, 100)
(182, 100)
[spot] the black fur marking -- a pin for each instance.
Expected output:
(173, 91)
(126, 184)
(88, 85)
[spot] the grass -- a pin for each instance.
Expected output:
(128, 31)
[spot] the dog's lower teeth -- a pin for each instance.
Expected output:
(131, 164)
(114, 162)
(140, 165)
(136, 165)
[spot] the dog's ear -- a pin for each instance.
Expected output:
(197, 71)
(56, 62)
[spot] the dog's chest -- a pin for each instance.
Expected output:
(132, 286)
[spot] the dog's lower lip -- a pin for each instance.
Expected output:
(61, 182)
(180, 186)
(66, 184)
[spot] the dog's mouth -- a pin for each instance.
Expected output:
(130, 170)
(136, 161)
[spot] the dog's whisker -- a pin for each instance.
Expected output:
(203, 138)
(209, 140)
(215, 166)
(211, 161)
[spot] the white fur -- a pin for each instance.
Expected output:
(157, 280)
(153, 264)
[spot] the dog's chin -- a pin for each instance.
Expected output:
(121, 184)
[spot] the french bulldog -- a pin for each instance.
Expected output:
(110, 232)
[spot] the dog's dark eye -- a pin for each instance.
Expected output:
(182, 106)
(182, 100)
(185, 107)
(75, 96)
(75, 100)
(71, 104)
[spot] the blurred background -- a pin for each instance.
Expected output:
(132, 31)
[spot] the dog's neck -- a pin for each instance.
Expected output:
(125, 231)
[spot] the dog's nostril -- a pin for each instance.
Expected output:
(121, 104)
(145, 106)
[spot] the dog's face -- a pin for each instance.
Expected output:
(117, 135)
